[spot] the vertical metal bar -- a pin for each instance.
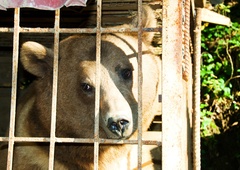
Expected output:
(54, 91)
(196, 92)
(173, 117)
(97, 92)
(140, 30)
(186, 41)
(187, 76)
(14, 88)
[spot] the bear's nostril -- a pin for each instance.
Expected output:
(113, 126)
(123, 122)
(118, 126)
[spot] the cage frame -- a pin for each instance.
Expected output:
(175, 87)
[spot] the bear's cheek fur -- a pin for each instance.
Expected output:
(71, 105)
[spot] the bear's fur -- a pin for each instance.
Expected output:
(75, 99)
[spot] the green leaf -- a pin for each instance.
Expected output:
(218, 66)
(203, 105)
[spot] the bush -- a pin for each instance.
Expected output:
(220, 71)
(220, 95)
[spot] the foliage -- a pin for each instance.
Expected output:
(219, 70)
(223, 9)
(220, 91)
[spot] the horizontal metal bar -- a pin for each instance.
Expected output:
(114, 141)
(25, 139)
(6, 29)
(40, 30)
(81, 140)
(78, 30)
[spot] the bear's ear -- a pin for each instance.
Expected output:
(148, 21)
(36, 58)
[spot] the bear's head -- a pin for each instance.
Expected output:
(118, 102)
(77, 85)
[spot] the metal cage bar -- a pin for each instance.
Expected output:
(140, 81)
(81, 140)
(196, 91)
(175, 148)
(186, 41)
(14, 88)
(54, 90)
(78, 30)
(98, 77)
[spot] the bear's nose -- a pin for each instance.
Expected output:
(118, 126)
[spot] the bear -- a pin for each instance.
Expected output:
(75, 112)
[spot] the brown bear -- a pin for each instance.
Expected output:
(76, 99)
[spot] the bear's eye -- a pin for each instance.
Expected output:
(86, 87)
(126, 73)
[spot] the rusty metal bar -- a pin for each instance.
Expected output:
(80, 140)
(145, 142)
(6, 29)
(196, 92)
(98, 78)
(54, 91)
(140, 79)
(186, 41)
(79, 30)
(187, 76)
(14, 88)
(173, 117)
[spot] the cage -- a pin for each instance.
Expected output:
(167, 144)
